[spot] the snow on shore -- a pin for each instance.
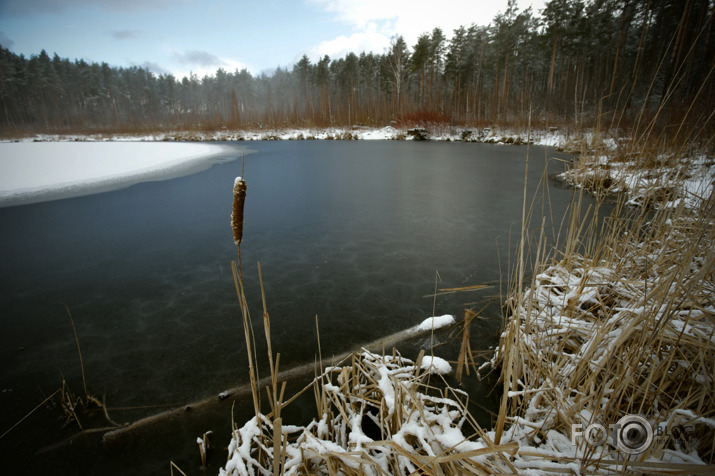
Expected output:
(581, 325)
(687, 181)
(445, 133)
(48, 167)
(32, 172)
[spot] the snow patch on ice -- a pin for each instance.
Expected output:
(38, 171)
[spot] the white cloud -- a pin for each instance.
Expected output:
(410, 18)
(360, 13)
(198, 58)
(204, 64)
(357, 43)
(375, 21)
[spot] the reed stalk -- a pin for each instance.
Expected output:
(40, 405)
(239, 198)
(79, 350)
(248, 335)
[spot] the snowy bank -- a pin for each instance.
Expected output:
(439, 132)
(33, 172)
(593, 343)
(666, 182)
(621, 332)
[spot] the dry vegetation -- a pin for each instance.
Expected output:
(625, 326)
(377, 415)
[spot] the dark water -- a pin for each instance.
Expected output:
(353, 232)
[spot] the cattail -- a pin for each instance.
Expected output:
(239, 197)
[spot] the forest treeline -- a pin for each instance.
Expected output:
(575, 62)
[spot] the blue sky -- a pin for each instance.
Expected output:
(199, 36)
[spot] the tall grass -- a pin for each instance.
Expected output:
(618, 321)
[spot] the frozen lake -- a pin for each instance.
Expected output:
(354, 232)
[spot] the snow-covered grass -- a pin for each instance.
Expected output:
(663, 181)
(622, 324)
(37, 171)
(377, 414)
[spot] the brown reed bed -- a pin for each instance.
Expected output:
(619, 323)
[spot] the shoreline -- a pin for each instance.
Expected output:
(553, 137)
(40, 156)
(577, 320)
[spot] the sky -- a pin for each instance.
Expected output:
(182, 37)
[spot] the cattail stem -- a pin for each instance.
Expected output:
(79, 351)
(239, 198)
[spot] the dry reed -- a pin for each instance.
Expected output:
(621, 322)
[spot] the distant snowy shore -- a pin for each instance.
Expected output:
(493, 135)
(32, 172)
(48, 167)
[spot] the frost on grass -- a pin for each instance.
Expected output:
(377, 415)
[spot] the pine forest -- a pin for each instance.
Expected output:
(577, 62)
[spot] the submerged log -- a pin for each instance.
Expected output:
(171, 420)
